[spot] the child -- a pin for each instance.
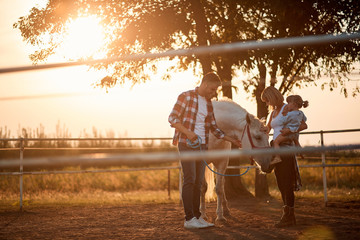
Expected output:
(292, 118)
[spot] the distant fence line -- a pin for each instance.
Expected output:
(154, 138)
(157, 157)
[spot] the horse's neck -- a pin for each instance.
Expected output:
(240, 125)
(231, 116)
(228, 124)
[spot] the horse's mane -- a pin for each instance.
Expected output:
(231, 105)
(235, 111)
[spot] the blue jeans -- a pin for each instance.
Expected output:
(193, 172)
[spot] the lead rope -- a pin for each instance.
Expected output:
(197, 144)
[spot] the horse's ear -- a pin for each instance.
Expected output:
(248, 119)
(263, 120)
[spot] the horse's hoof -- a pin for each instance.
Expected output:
(220, 220)
(227, 213)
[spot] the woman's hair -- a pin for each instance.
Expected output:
(297, 100)
(273, 96)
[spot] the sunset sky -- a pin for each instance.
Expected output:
(141, 111)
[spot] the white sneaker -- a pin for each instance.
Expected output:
(205, 223)
(193, 223)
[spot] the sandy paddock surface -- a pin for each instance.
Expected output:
(251, 219)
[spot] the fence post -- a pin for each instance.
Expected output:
(324, 169)
(169, 184)
(21, 172)
(180, 185)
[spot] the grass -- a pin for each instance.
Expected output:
(99, 197)
(121, 188)
(96, 198)
(149, 186)
(76, 183)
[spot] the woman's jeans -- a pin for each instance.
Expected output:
(286, 178)
(193, 172)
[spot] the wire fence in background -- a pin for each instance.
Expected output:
(157, 157)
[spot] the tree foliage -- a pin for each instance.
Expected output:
(138, 26)
(150, 26)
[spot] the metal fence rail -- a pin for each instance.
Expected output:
(204, 50)
(167, 157)
(156, 157)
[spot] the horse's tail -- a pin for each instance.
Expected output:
(210, 180)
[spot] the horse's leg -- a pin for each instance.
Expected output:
(220, 192)
(220, 198)
(226, 209)
(222, 208)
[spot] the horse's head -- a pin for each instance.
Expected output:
(255, 136)
(230, 117)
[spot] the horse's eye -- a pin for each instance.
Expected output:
(257, 137)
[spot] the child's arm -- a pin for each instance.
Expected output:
(295, 123)
(285, 110)
(287, 131)
(303, 124)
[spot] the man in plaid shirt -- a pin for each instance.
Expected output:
(193, 117)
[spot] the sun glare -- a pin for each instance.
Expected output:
(85, 38)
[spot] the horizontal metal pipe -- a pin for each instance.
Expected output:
(98, 148)
(83, 139)
(150, 139)
(162, 168)
(330, 165)
(90, 171)
(162, 157)
(332, 131)
(204, 50)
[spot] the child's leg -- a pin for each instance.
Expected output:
(296, 142)
(277, 142)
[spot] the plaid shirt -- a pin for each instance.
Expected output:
(185, 111)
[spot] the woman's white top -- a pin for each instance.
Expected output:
(277, 123)
(200, 118)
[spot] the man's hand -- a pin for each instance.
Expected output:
(191, 136)
(264, 129)
(234, 141)
(237, 143)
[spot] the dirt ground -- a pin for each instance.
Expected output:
(251, 219)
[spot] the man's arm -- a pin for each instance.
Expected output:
(189, 134)
(177, 110)
(234, 141)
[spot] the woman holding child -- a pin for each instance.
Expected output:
(286, 169)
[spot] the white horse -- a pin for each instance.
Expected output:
(234, 121)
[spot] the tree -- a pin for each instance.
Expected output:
(301, 66)
(136, 27)
(149, 26)
(298, 67)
